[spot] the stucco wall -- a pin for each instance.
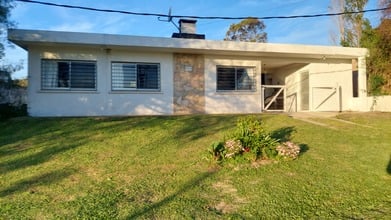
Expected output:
(103, 101)
(291, 76)
(330, 86)
(371, 103)
(231, 102)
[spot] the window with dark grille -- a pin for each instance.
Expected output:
(235, 78)
(65, 74)
(135, 76)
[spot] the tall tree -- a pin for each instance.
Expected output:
(350, 24)
(250, 30)
(386, 14)
(337, 6)
(354, 23)
(5, 23)
(378, 41)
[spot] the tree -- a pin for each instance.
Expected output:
(5, 23)
(378, 41)
(250, 30)
(337, 6)
(386, 14)
(350, 24)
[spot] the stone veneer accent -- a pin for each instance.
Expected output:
(189, 84)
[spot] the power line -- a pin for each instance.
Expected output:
(169, 16)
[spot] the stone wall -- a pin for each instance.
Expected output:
(189, 84)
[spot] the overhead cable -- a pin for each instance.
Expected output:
(169, 16)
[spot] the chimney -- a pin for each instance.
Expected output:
(187, 30)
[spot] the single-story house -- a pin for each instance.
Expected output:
(89, 74)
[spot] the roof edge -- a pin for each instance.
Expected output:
(24, 38)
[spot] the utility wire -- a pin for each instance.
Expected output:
(169, 16)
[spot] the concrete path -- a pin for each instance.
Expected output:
(310, 117)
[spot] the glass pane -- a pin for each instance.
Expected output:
(63, 75)
(244, 81)
(148, 76)
(83, 75)
(49, 74)
(123, 76)
(225, 78)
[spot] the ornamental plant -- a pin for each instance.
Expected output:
(288, 150)
(249, 141)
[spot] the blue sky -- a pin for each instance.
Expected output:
(293, 31)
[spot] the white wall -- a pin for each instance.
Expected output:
(372, 103)
(291, 76)
(103, 101)
(230, 102)
(330, 85)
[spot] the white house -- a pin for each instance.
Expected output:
(88, 74)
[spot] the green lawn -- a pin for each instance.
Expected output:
(155, 168)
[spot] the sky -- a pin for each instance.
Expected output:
(314, 31)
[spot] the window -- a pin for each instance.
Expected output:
(135, 76)
(235, 78)
(71, 75)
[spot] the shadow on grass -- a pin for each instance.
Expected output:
(186, 187)
(283, 134)
(303, 148)
(195, 127)
(34, 159)
(29, 184)
(389, 166)
(19, 135)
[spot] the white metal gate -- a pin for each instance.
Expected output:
(273, 98)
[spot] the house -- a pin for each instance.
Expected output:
(89, 74)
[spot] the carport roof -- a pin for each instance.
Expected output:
(27, 38)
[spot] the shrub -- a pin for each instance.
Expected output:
(254, 138)
(233, 148)
(249, 140)
(288, 150)
(9, 111)
(217, 151)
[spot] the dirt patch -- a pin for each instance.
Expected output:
(227, 189)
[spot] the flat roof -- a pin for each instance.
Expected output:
(27, 38)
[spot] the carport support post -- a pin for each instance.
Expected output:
(362, 77)
(262, 98)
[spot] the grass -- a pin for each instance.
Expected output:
(155, 168)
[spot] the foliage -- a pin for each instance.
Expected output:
(233, 148)
(5, 13)
(288, 150)
(378, 41)
(386, 14)
(353, 23)
(9, 111)
(375, 84)
(217, 151)
(250, 30)
(249, 139)
(350, 25)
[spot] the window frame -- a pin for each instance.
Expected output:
(252, 78)
(46, 76)
(136, 80)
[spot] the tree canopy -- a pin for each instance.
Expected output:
(250, 30)
(386, 14)
(378, 41)
(5, 23)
